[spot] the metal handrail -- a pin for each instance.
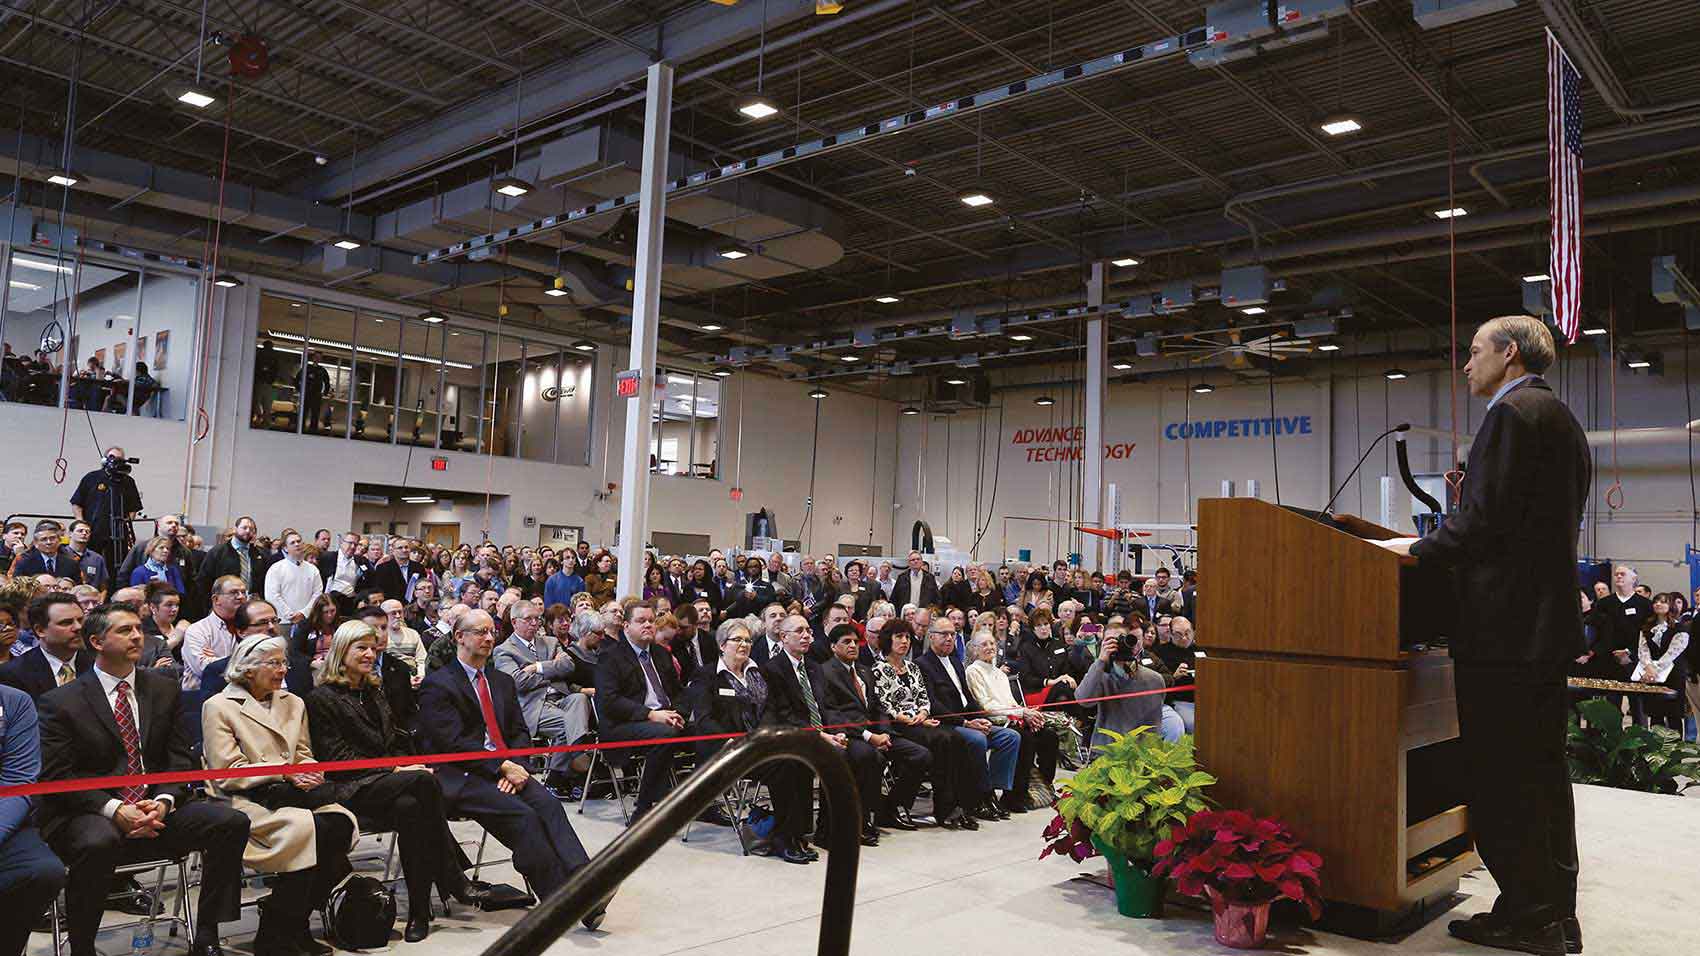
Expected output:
(567, 905)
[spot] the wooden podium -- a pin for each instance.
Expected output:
(1310, 708)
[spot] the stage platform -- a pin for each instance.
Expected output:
(944, 893)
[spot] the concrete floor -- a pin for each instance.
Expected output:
(946, 893)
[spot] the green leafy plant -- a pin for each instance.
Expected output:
(1649, 759)
(1132, 796)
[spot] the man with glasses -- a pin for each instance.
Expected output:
(543, 674)
(257, 617)
(469, 706)
(953, 705)
(45, 557)
(637, 698)
(215, 635)
(341, 570)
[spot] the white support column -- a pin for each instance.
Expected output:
(1092, 449)
(646, 315)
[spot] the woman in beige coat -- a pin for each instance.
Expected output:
(297, 830)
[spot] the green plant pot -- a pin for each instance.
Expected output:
(1138, 893)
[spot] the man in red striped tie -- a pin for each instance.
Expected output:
(118, 719)
(469, 706)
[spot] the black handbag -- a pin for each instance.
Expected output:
(362, 914)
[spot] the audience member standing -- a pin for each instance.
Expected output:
(240, 556)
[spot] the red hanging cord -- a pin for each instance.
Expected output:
(1454, 477)
(1614, 494)
(210, 247)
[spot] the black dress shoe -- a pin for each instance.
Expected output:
(1015, 804)
(897, 818)
(715, 816)
(418, 927)
(206, 949)
(792, 853)
(134, 901)
(807, 850)
(1572, 934)
(1545, 939)
(593, 919)
(987, 812)
(870, 837)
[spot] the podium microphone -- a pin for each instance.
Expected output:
(1328, 508)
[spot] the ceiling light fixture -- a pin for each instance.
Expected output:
(975, 199)
(511, 186)
(1542, 277)
(555, 293)
(886, 299)
(956, 380)
(1638, 363)
(25, 286)
(1254, 310)
(722, 371)
(1456, 212)
(1121, 366)
(225, 280)
(419, 499)
(733, 251)
(817, 393)
(1340, 126)
(1124, 263)
(909, 410)
(433, 318)
(1044, 400)
(1020, 337)
(195, 98)
(346, 243)
(1328, 347)
(712, 326)
(41, 265)
(1596, 330)
(585, 345)
(758, 109)
(1204, 388)
(849, 358)
(63, 177)
(1395, 374)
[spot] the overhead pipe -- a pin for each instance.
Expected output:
(1598, 70)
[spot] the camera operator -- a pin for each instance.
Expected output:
(1119, 670)
(107, 499)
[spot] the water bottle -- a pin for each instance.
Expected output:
(141, 938)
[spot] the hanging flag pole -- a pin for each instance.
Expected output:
(1564, 166)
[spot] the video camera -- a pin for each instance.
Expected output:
(115, 466)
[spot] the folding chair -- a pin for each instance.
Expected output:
(182, 914)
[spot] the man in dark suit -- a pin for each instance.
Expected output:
(118, 719)
(467, 706)
(394, 574)
(848, 698)
(678, 582)
(916, 585)
(59, 656)
(768, 644)
(30, 875)
(794, 680)
(953, 702)
(638, 697)
(1512, 542)
(239, 556)
(47, 557)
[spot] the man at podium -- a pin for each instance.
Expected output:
(1512, 543)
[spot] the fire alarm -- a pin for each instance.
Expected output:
(737, 494)
(249, 57)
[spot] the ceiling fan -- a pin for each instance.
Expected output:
(1237, 351)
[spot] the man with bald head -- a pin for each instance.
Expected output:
(470, 705)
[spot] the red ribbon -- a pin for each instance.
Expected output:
(385, 763)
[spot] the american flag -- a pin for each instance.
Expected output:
(1564, 165)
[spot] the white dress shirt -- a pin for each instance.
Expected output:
(347, 573)
(950, 669)
(291, 586)
(109, 685)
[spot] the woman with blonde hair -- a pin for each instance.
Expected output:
(352, 720)
(297, 829)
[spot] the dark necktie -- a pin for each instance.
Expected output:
(126, 720)
(246, 564)
(808, 694)
(491, 727)
(654, 679)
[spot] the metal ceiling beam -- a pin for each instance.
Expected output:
(692, 34)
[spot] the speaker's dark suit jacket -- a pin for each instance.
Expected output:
(31, 673)
(1513, 537)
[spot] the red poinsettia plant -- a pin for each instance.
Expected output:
(1247, 859)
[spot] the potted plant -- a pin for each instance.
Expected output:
(1122, 805)
(1244, 864)
(1604, 752)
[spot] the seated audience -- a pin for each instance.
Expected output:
(544, 674)
(312, 635)
(1180, 655)
(60, 654)
(958, 770)
(848, 698)
(158, 566)
(296, 829)
(47, 557)
(1119, 670)
(215, 635)
(405, 643)
(117, 719)
(468, 706)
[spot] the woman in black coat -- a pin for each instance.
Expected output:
(351, 720)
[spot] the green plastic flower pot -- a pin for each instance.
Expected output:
(1138, 893)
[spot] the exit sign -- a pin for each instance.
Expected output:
(626, 383)
(439, 463)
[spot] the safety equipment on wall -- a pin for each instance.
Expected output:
(249, 57)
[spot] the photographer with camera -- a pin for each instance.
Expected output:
(107, 498)
(1119, 670)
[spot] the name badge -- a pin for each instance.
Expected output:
(1059, 650)
(1146, 661)
(1198, 654)
(1628, 610)
(728, 692)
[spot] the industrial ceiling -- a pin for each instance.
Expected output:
(392, 122)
